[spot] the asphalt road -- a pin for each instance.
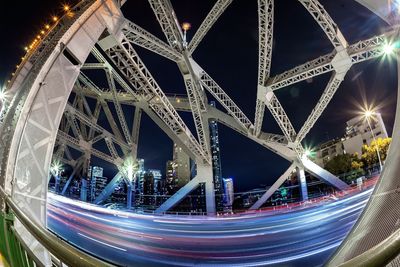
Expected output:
(300, 237)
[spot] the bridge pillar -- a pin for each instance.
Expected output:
(204, 176)
(301, 177)
(84, 189)
(130, 192)
(57, 183)
(205, 171)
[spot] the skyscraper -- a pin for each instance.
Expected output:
(94, 173)
(157, 181)
(182, 168)
(216, 163)
(139, 176)
(170, 178)
(147, 197)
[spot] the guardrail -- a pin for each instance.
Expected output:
(380, 255)
(18, 254)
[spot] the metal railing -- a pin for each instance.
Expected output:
(380, 255)
(20, 255)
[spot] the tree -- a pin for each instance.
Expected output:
(340, 164)
(369, 155)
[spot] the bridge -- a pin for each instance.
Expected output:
(46, 113)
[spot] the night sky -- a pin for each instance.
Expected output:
(229, 53)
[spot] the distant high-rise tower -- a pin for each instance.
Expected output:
(170, 178)
(94, 173)
(157, 181)
(216, 163)
(182, 168)
(228, 194)
(147, 197)
(139, 176)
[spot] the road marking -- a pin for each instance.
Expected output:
(111, 246)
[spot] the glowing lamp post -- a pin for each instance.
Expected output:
(185, 27)
(55, 169)
(368, 114)
(130, 169)
(388, 48)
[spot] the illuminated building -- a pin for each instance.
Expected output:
(182, 167)
(358, 133)
(94, 173)
(147, 198)
(216, 163)
(170, 178)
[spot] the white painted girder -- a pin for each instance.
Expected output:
(111, 147)
(359, 52)
(118, 108)
(326, 97)
(76, 114)
(265, 33)
(133, 88)
(224, 100)
(216, 11)
(280, 116)
(165, 15)
(96, 115)
(181, 103)
(273, 188)
(74, 125)
(136, 125)
(303, 72)
(76, 144)
(126, 58)
(82, 125)
(135, 131)
(322, 17)
(143, 38)
(194, 101)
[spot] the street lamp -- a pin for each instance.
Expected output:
(55, 170)
(368, 114)
(388, 48)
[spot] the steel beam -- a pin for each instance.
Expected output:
(265, 33)
(273, 188)
(216, 11)
(204, 175)
(326, 23)
(224, 100)
(361, 51)
(165, 15)
(143, 38)
(118, 108)
(109, 189)
(323, 174)
(125, 57)
(280, 116)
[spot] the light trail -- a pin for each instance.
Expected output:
(103, 243)
(298, 236)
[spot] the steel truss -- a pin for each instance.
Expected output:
(265, 33)
(141, 90)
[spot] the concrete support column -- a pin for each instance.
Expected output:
(130, 192)
(302, 183)
(57, 183)
(84, 189)
(206, 175)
